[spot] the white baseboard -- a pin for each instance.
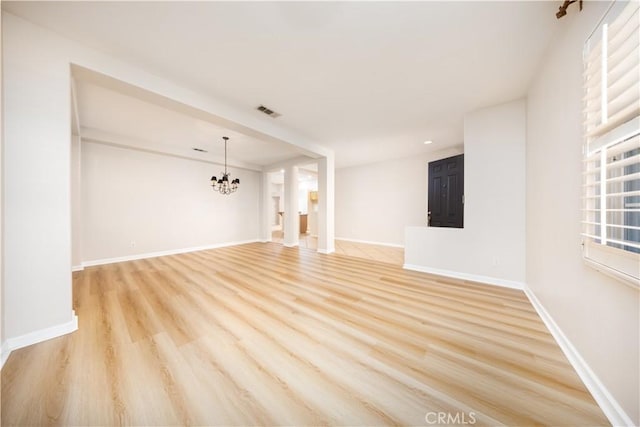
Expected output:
(465, 276)
(611, 408)
(326, 251)
(77, 267)
(38, 336)
(369, 242)
(164, 253)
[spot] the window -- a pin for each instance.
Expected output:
(611, 178)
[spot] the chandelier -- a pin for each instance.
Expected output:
(224, 185)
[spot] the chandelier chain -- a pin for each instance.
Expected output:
(225, 185)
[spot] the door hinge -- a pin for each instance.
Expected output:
(463, 199)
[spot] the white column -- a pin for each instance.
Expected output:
(265, 208)
(326, 203)
(291, 215)
(37, 299)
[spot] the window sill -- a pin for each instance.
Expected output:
(619, 276)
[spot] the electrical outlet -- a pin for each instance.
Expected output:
(133, 243)
(496, 261)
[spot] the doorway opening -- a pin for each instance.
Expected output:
(307, 214)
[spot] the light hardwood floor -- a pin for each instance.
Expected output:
(378, 253)
(381, 253)
(260, 334)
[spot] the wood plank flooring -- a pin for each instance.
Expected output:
(380, 253)
(260, 334)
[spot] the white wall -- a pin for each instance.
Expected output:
(599, 315)
(76, 202)
(135, 202)
(37, 211)
(304, 187)
(277, 190)
(375, 202)
(491, 246)
(326, 204)
(37, 167)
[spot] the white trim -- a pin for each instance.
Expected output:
(602, 212)
(614, 262)
(326, 251)
(4, 353)
(616, 135)
(38, 336)
(77, 267)
(613, 273)
(288, 245)
(604, 97)
(74, 107)
(369, 242)
(465, 276)
(611, 408)
(164, 253)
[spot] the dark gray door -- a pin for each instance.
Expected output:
(446, 192)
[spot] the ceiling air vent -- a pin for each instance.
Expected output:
(268, 111)
(199, 150)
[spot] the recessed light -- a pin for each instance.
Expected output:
(427, 142)
(281, 170)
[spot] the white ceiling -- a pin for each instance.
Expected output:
(109, 116)
(371, 80)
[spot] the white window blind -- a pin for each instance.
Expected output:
(611, 178)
